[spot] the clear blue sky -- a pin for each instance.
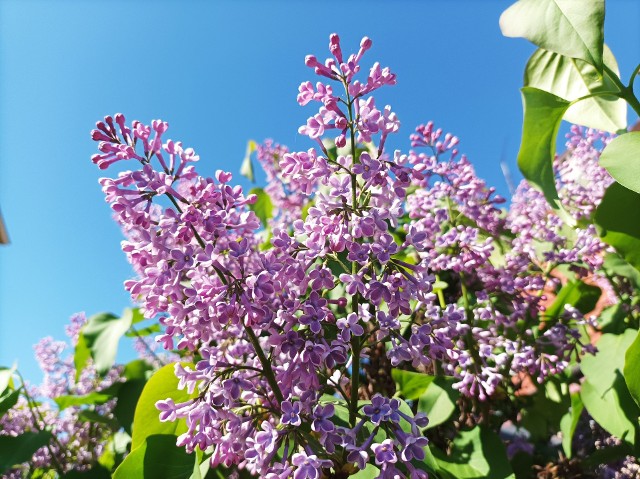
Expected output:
(220, 73)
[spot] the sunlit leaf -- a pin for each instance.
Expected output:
(411, 385)
(543, 113)
(570, 78)
(618, 221)
(569, 27)
(157, 457)
(621, 158)
(263, 207)
(162, 385)
(632, 369)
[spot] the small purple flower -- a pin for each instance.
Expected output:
(290, 413)
(233, 387)
(413, 448)
(183, 258)
(167, 410)
(379, 410)
(367, 167)
(321, 415)
(384, 452)
(308, 467)
(321, 278)
(384, 248)
(349, 326)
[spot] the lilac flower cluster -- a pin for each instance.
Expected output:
(409, 251)
(77, 443)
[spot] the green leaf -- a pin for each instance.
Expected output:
(543, 113)
(614, 319)
(154, 328)
(8, 400)
(96, 472)
(632, 369)
(571, 79)
(135, 313)
(569, 422)
(478, 453)
(102, 334)
(129, 393)
(615, 265)
(618, 219)
(580, 295)
(543, 416)
(604, 392)
(158, 457)
(88, 415)
(81, 356)
(411, 385)
(569, 27)
(94, 398)
(18, 449)
(369, 472)
(5, 377)
(246, 169)
(614, 409)
(621, 158)
(162, 385)
(439, 401)
(263, 207)
(600, 369)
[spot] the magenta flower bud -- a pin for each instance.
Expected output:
(334, 46)
(97, 135)
(223, 176)
(365, 43)
(160, 126)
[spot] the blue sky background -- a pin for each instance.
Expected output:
(220, 72)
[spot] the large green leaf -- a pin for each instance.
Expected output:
(101, 335)
(621, 158)
(632, 369)
(615, 265)
(411, 385)
(570, 78)
(263, 207)
(580, 295)
(127, 397)
(93, 398)
(7, 401)
(614, 409)
(158, 457)
(543, 416)
(543, 113)
(81, 356)
(604, 392)
(574, 28)
(162, 385)
(439, 401)
(369, 472)
(18, 449)
(478, 453)
(96, 472)
(569, 422)
(600, 369)
(618, 219)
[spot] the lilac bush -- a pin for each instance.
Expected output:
(368, 313)
(366, 255)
